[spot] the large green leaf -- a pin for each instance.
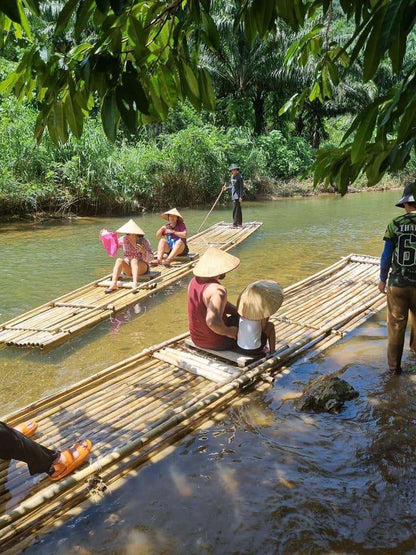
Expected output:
(84, 12)
(207, 92)
(211, 32)
(11, 9)
(134, 91)
(375, 47)
(65, 15)
(110, 115)
(364, 133)
(390, 31)
(126, 108)
(74, 115)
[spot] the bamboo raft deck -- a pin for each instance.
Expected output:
(58, 320)
(135, 410)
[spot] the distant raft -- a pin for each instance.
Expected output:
(135, 410)
(58, 320)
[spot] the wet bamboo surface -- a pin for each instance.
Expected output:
(135, 410)
(57, 320)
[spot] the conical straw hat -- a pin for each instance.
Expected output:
(172, 212)
(260, 300)
(131, 227)
(215, 262)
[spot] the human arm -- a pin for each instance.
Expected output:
(179, 231)
(146, 250)
(385, 263)
(215, 299)
(161, 232)
(231, 309)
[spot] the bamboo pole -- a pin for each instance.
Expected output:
(213, 206)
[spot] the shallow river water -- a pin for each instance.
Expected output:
(265, 478)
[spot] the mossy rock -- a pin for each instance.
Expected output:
(326, 394)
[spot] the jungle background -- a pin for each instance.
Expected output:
(184, 158)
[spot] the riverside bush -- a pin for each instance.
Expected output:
(185, 165)
(285, 157)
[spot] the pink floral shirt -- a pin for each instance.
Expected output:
(131, 252)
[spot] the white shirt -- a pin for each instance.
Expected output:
(249, 334)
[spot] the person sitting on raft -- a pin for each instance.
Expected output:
(15, 443)
(209, 325)
(256, 303)
(137, 255)
(172, 238)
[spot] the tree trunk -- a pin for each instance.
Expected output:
(258, 105)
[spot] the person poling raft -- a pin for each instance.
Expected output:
(137, 254)
(15, 443)
(172, 238)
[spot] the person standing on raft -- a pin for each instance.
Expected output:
(208, 307)
(137, 255)
(399, 255)
(237, 193)
(172, 238)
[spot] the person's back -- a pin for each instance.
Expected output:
(208, 307)
(249, 334)
(201, 334)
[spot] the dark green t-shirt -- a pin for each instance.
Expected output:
(402, 231)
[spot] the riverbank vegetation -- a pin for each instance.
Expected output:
(167, 147)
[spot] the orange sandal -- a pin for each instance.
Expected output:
(70, 463)
(27, 428)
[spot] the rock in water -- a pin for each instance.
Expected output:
(326, 393)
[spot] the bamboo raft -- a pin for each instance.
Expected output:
(58, 320)
(137, 409)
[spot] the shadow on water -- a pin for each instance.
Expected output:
(266, 478)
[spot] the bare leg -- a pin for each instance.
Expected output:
(162, 248)
(118, 266)
(271, 336)
(138, 268)
(178, 248)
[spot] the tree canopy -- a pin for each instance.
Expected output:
(134, 59)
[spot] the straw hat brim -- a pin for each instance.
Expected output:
(131, 227)
(260, 300)
(215, 262)
(172, 212)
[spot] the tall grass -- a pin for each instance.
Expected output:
(183, 162)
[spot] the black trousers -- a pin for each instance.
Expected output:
(237, 213)
(14, 445)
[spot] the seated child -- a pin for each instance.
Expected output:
(256, 303)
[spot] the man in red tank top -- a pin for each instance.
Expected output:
(208, 306)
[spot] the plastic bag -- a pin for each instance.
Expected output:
(109, 240)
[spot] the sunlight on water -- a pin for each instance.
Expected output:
(265, 479)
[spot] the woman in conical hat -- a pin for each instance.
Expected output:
(256, 303)
(137, 255)
(172, 238)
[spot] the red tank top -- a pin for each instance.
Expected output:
(201, 334)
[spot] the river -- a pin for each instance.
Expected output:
(266, 478)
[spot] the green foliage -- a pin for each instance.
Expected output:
(133, 61)
(195, 164)
(243, 148)
(285, 157)
(93, 176)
